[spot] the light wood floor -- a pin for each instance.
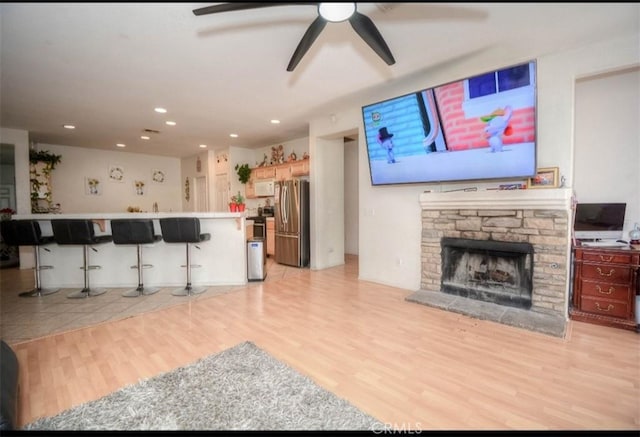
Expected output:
(409, 365)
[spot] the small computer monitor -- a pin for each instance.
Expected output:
(599, 221)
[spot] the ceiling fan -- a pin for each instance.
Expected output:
(327, 12)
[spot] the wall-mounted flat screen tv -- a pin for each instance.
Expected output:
(599, 221)
(482, 127)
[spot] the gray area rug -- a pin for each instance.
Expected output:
(242, 388)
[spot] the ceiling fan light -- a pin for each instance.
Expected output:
(336, 12)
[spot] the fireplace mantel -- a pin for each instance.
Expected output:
(547, 198)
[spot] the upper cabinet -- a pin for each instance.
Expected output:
(300, 168)
(264, 172)
(283, 172)
(280, 172)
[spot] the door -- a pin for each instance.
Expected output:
(201, 200)
(222, 193)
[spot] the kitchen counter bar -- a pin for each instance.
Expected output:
(223, 259)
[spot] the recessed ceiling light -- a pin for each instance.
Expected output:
(68, 126)
(203, 146)
(144, 137)
(170, 123)
(275, 121)
(160, 110)
(233, 135)
(121, 145)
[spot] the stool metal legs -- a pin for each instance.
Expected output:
(141, 290)
(189, 290)
(38, 291)
(87, 291)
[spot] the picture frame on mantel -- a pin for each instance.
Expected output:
(545, 178)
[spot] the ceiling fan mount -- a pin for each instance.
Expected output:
(327, 12)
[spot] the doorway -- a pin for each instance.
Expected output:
(8, 254)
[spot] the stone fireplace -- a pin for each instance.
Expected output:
(524, 282)
(490, 271)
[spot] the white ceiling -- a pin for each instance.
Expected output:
(104, 66)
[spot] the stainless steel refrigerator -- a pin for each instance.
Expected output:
(292, 222)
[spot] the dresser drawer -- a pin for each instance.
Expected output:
(616, 258)
(605, 307)
(607, 272)
(603, 289)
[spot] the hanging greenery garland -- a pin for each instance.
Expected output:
(44, 156)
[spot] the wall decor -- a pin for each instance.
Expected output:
(116, 173)
(198, 165)
(157, 176)
(139, 187)
(186, 189)
(544, 178)
(92, 186)
(41, 164)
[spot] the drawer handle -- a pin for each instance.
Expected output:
(608, 258)
(609, 307)
(611, 290)
(605, 274)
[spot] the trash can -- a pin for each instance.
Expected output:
(256, 259)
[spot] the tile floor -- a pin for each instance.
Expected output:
(26, 318)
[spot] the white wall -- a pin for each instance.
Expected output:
(77, 163)
(327, 202)
(608, 141)
(298, 145)
(351, 205)
(390, 217)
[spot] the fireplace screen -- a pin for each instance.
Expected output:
(493, 271)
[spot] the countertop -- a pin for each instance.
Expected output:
(118, 215)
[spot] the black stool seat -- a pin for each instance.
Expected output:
(184, 230)
(138, 232)
(28, 233)
(80, 232)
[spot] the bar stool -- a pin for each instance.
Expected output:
(184, 230)
(80, 232)
(28, 233)
(138, 232)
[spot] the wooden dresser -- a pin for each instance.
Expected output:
(605, 284)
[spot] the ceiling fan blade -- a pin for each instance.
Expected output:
(370, 34)
(307, 40)
(229, 7)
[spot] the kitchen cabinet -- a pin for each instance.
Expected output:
(264, 172)
(605, 284)
(300, 168)
(249, 188)
(283, 172)
(280, 172)
(271, 236)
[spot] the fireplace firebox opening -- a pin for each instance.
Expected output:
(499, 272)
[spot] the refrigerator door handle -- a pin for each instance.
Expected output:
(285, 204)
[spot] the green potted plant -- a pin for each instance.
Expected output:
(244, 172)
(239, 201)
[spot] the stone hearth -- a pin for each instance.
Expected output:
(538, 217)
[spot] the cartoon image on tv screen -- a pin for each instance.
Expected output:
(482, 127)
(497, 126)
(385, 140)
